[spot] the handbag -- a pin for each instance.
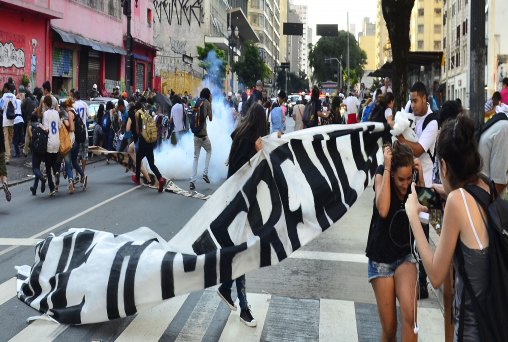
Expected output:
(65, 140)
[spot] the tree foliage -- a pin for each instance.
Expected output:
(397, 15)
(252, 67)
(336, 47)
(215, 63)
(296, 82)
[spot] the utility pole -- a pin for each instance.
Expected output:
(126, 4)
(347, 55)
(477, 61)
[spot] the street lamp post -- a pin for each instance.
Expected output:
(233, 35)
(126, 4)
(339, 78)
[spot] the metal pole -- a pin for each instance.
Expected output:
(128, 43)
(477, 61)
(286, 70)
(348, 83)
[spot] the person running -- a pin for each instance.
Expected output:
(68, 121)
(73, 154)
(463, 229)
(392, 265)
(3, 166)
(37, 158)
(133, 146)
(246, 143)
(83, 111)
(201, 139)
(51, 123)
(145, 149)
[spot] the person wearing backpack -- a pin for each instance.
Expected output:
(177, 118)
(313, 110)
(8, 106)
(83, 111)
(51, 123)
(75, 127)
(426, 129)
(3, 167)
(201, 140)
(147, 138)
(38, 144)
(466, 238)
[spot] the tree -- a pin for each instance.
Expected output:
(252, 67)
(335, 47)
(296, 82)
(397, 15)
(214, 63)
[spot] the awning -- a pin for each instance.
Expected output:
(221, 42)
(97, 46)
(414, 61)
(238, 19)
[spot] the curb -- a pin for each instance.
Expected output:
(28, 179)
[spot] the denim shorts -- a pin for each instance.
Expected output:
(382, 270)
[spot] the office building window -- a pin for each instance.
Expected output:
(420, 28)
(420, 44)
(437, 45)
(437, 28)
(437, 12)
(420, 12)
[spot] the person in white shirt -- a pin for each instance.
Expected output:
(82, 110)
(386, 87)
(298, 111)
(51, 123)
(8, 125)
(18, 128)
(177, 118)
(351, 103)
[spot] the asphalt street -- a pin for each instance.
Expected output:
(320, 293)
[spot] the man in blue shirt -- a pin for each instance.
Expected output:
(276, 115)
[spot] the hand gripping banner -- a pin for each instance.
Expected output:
(292, 190)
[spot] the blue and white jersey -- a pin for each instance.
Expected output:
(6, 98)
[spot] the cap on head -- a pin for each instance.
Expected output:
(137, 90)
(94, 86)
(230, 94)
(259, 83)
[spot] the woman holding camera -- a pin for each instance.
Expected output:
(459, 165)
(392, 265)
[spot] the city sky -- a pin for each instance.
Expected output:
(335, 12)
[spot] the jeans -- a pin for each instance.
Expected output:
(18, 137)
(36, 167)
(74, 160)
(68, 165)
(51, 165)
(207, 145)
(146, 150)
(240, 289)
(109, 136)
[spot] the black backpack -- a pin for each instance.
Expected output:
(491, 310)
(39, 141)
(198, 119)
(308, 114)
(10, 110)
(79, 129)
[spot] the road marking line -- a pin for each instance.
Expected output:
(199, 320)
(7, 290)
(337, 320)
(150, 325)
(46, 231)
(18, 242)
(234, 327)
(40, 330)
(330, 256)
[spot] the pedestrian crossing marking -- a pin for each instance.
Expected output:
(337, 321)
(40, 330)
(234, 328)
(18, 242)
(150, 325)
(329, 256)
(431, 324)
(201, 317)
(7, 290)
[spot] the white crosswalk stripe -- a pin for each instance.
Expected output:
(7, 290)
(40, 330)
(337, 320)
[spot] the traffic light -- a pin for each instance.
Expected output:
(126, 6)
(284, 65)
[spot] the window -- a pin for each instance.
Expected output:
(437, 12)
(420, 28)
(420, 12)
(420, 44)
(149, 17)
(437, 45)
(254, 3)
(444, 43)
(437, 28)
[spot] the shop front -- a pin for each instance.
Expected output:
(143, 55)
(25, 45)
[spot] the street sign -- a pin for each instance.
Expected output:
(284, 65)
(292, 29)
(330, 30)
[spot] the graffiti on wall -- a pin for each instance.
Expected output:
(178, 46)
(175, 11)
(10, 57)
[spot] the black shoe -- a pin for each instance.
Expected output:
(7, 192)
(33, 190)
(226, 297)
(43, 185)
(423, 292)
(76, 180)
(205, 178)
(246, 317)
(192, 186)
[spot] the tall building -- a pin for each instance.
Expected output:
(456, 50)
(383, 47)
(303, 41)
(283, 47)
(367, 42)
(294, 45)
(264, 17)
(497, 50)
(426, 27)
(368, 28)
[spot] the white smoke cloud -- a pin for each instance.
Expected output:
(175, 162)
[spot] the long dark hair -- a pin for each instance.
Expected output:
(315, 93)
(100, 114)
(458, 147)
(251, 128)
